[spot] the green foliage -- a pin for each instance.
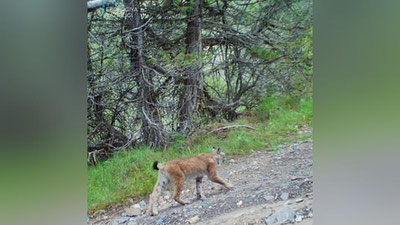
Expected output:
(187, 9)
(267, 108)
(130, 174)
(264, 53)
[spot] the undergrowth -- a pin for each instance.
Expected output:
(129, 173)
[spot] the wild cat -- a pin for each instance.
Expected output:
(179, 170)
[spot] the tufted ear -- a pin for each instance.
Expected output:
(219, 151)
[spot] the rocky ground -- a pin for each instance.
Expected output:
(270, 188)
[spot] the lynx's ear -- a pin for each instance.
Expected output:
(219, 151)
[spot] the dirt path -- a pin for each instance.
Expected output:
(263, 182)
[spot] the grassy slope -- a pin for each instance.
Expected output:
(130, 174)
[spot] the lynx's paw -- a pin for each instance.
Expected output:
(200, 197)
(154, 213)
(229, 186)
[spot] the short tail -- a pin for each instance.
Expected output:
(155, 165)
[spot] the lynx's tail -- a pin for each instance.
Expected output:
(155, 165)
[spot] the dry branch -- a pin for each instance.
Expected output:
(232, 126)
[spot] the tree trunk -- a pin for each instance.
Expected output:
(193, 78)
(152, 130)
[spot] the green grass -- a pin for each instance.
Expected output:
(130, 174)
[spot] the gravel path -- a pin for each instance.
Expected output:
(264, 182)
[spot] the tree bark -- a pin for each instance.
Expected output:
(153, 133)
(193, 78)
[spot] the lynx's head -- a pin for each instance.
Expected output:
(219, 156)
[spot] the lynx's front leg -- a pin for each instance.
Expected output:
(199, 181)
(212, 175)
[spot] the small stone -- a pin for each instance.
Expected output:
(284, 196)
(100, 212)
(298, 218)
(232, 161)
(239, 203)
(132, 223)
(299, 200)
(136, 206)
(142, 204)
(193, 219)
(122, 220)
(284, 215)
(268, 197)
(130, 200)
(160, 221)
(166, 197)
(133, 212)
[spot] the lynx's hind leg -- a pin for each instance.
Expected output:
(162, 182)
(179, 177)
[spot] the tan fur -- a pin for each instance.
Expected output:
(179, 170)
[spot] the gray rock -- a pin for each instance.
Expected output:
(284, 215)
(132, 223)
(136, 206)
(133, 211)
(268, 197)
(284, 196)
(232, 161)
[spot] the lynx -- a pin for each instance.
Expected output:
(179, 170)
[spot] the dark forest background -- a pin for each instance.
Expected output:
(162, 69)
